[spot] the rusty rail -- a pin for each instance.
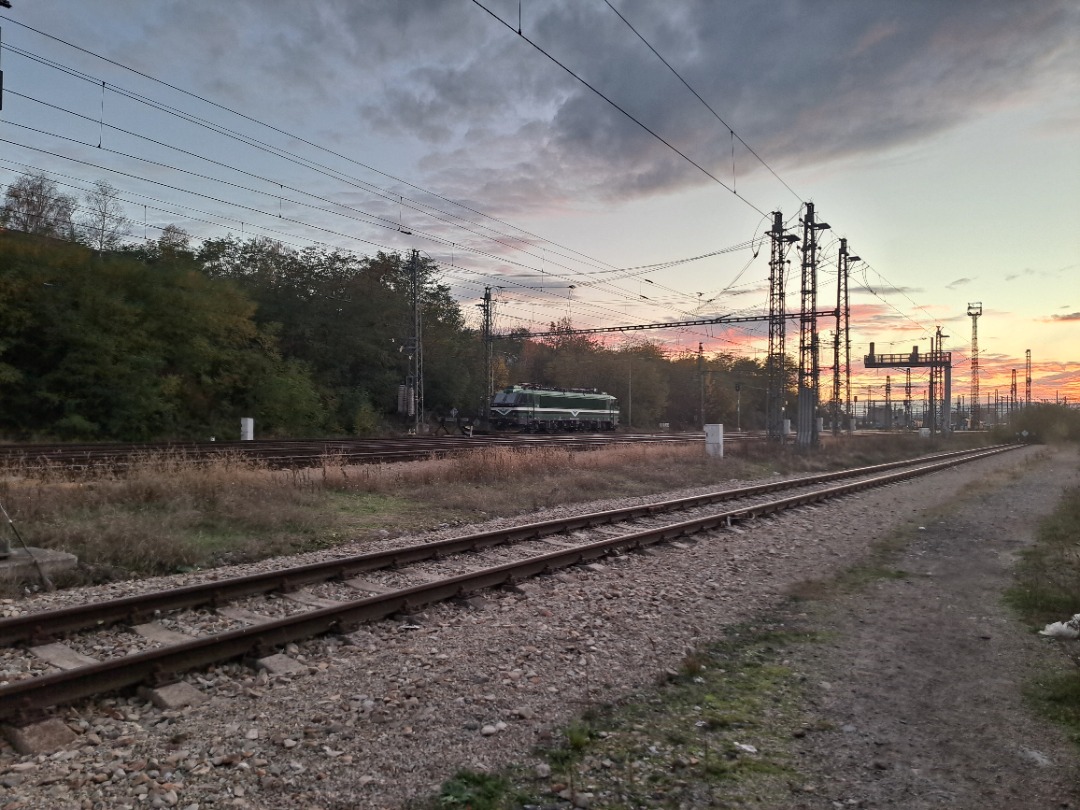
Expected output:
(39, 628)
(23, 698)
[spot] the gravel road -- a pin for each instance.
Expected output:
(918, 684)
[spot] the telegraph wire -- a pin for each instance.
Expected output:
(386, 223)
(221, 201)
(287, 134)
(716, 115)
(248, 141)
(621, 109)
(375, 219)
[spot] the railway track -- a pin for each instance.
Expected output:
(304, 453)
(255, 615)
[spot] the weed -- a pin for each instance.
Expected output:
(578, 736)
(1047, 588)
(688, 737)
(474, 791)
(1056, 695)
(167, 512)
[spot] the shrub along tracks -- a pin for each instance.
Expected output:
(23, 699)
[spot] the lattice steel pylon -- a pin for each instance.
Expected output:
(809, 369)
(888, 402)
(487, 319)
(1027, 379)
(841, 309)
(776, 361)
(907, 399)
(974, 310)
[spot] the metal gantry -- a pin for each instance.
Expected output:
(841, 398)
(940, 364)
(776, 361)
(809, 369)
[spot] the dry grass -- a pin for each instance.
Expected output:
(164, 513)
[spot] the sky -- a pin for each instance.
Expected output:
(614, 163)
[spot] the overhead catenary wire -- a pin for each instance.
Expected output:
(496, 257)
(620, 108)
(715, 114)
(275, 129)
(263, 212)
(248, 140)
(372, 219)
(253, 209)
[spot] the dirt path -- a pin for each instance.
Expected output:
(918, 691)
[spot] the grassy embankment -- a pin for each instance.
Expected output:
(163, 514)
(1047, 589)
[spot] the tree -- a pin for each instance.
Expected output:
(34, 204)
(114, 347)
(103, 224)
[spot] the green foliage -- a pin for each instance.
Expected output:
(168, 339)
(1047, 589)
(1042, 422)
(114, 347)
(1047, 583)
(366, 419)
(1057, 697)
(347, 319)
(474, 791)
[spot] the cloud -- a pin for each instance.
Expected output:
(883, 289)
(477, 100)
(1072, 316)
(468, 107)
(960, 282)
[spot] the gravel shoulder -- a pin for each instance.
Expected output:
(914, 693)
(921, 680)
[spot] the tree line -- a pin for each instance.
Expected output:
(105, 338)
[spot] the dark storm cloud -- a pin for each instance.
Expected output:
(798, 83)
(801, 83)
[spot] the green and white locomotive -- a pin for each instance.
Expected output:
(534, 409)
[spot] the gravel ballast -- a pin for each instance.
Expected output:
(384, 715)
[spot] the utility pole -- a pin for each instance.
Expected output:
(941, 374)
(809, 370)
(1012, 394)
(848, 259)
(840, 273)
(701, 379)
(416, 361)
(930, 413)
(776, 361)
(974, 310)
(907, 398)
(487, 319)
(738, 406)
(888, 402)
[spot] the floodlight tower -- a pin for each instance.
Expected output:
(974, 310)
